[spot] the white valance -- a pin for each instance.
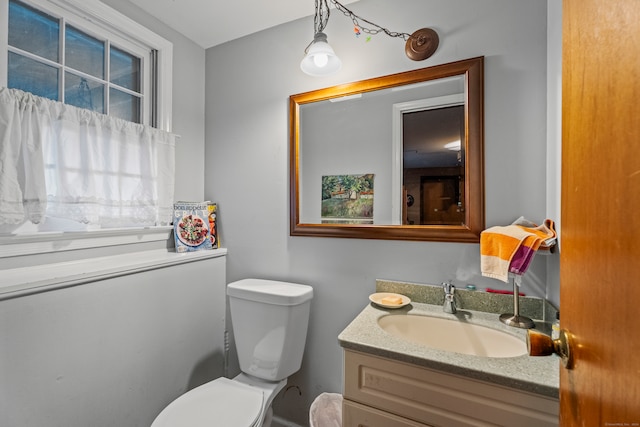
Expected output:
(60, 161)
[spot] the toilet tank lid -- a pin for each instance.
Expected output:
(270, 291)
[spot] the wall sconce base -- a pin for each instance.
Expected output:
(422, 44)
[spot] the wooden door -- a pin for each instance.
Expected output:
(431, 193)
(600, 230)
(439, 200)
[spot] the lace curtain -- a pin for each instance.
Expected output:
(59, 161)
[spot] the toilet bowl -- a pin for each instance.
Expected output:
(270, 320)
(222, 402)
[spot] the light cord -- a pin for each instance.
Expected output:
(321, 19)
(357, 22)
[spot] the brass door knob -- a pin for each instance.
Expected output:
(539, 344)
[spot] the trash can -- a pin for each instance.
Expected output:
(326, 411)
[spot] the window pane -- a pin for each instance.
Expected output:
(83, 93)
(84, 53)
(33, 31)
(124, 106)
(32, 76)
(125, 69)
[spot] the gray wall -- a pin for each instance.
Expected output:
(248, 82)
(111, 352)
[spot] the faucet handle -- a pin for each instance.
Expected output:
(449, 302)
(448, 287)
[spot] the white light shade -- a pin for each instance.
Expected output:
(320, 59)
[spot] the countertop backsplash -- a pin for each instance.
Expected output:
(538, 309)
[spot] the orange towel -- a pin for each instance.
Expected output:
(498, 245)
(510, 248)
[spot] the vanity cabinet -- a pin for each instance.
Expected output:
(380, 392)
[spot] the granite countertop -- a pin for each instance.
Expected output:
(538, 375)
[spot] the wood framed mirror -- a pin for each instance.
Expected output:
(398, 157)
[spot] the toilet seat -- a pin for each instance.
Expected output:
(222, 402)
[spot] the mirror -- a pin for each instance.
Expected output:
(396, 157)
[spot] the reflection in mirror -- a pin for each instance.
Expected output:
(415, 136)
(432, 165)
(428, 135)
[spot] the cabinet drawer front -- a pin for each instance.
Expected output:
(356, 415)
(440, 399)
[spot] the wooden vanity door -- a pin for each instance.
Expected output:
(600, 228)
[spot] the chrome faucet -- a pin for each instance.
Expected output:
(449, 302)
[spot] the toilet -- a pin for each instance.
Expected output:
(270, 320)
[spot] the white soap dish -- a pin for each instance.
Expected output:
(378, 298)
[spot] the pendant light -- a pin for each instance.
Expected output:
(321, 60)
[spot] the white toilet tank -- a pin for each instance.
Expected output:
(270, 320)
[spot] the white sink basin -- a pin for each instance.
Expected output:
(453, 335)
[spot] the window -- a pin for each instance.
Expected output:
(52, 58)
(86, 55)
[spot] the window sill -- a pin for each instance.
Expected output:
(42, 243)
(23, 281)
